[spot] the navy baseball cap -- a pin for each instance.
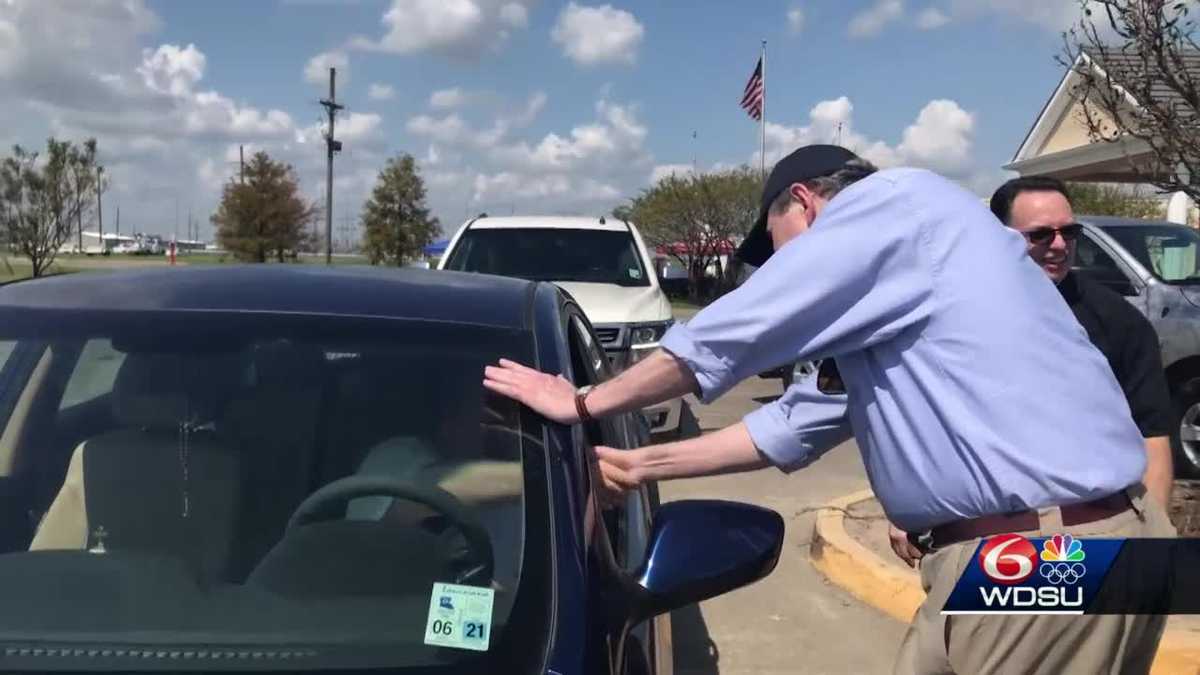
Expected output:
(804, 164)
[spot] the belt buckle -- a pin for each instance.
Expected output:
(922, 540)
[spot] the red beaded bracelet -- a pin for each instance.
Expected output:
(581, 405)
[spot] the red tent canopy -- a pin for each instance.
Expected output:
(724, 247)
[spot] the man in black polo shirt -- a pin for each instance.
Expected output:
(1040, 209)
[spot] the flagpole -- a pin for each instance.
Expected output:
(762, 130)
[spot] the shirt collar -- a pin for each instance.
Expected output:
(1069, 287)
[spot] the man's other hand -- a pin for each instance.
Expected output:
(550, 395)
(903, 547)
(620, 472)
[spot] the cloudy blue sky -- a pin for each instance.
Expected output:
(526, 106)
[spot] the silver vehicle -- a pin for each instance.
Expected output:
(1156, 266)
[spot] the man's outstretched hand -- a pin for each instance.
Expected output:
(550, 395)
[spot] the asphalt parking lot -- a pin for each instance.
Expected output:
(793, 621)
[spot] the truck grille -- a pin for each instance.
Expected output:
(608, 335)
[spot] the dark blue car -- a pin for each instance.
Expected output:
(292, 469)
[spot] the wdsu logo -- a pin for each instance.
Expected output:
(1011, 559)
(1051, 575)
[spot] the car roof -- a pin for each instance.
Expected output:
(1116, 221)
(549, 223)
(407, 293)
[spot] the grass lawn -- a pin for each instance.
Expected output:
(681, 303)
(13, 268)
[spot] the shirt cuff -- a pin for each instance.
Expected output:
(712, 373)
(775, 438)
(800, 426)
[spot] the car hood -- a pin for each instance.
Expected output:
(609, 303)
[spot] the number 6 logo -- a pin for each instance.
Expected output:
(1008, 559)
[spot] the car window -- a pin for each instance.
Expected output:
(552, 254)
(6, 350)
(94, 374)
(627, 538)
(1169, 252)
(306, 480)
(1095, 263)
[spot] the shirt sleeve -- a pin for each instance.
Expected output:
(858, 277)
(1144, 380)
(800, 426)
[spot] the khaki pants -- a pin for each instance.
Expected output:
(1059, 645)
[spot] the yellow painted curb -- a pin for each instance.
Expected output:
(896, 590)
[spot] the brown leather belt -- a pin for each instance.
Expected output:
(1027, 521)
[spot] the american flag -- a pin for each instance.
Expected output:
(752, 98)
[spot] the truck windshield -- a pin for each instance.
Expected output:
(1168, 251)
(543, 254)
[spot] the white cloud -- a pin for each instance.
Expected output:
(380, 92)
(597, 35)
(871, 21)
(459, 28)
(1051, 16)
(75, 70)
(533, 107)
(317, 69)
(171, 69)
(451, 129)
(663, 170)
(931, 18)
(795, 19)
(514, 14)
(939, 139)
(588, 168)
(449, 98)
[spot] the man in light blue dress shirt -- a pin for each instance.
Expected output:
(975, 397)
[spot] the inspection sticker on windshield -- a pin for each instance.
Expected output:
(460, 617)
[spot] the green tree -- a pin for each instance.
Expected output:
(697, 218)
(1105, 199)
(40, 202)
(83, 174)
(395, 218)
(266, 216)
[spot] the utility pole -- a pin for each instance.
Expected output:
(694, 163)
(331, 146)
(100, 204)
(242, 164)
(118, 220)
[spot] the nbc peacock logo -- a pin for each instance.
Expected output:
(1062, 560)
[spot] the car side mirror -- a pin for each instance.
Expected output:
(700, 549)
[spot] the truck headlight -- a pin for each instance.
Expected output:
(644, 337)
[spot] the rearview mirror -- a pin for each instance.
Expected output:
(700, 549)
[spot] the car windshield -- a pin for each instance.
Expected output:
(1168, 251)
(550, 254)
(245, 491)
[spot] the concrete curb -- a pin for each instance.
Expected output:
(896, 590)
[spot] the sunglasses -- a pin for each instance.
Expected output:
(1045, 235)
